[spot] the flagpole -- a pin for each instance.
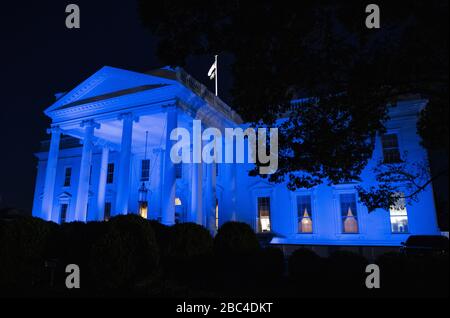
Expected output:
(217, 73)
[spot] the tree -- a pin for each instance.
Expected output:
(321, 54)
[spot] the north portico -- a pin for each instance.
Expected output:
(131, 115)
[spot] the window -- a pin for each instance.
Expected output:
(304, 212)
(63, 212)
(391, 152)
(399, 216)
(178, 170)
(145, 170)
(110, 174)
(349, 213)
(107, 214)
(263, 214)
(67, 176)
(90, 175)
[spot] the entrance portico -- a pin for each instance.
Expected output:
(125, 124)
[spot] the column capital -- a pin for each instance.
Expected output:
(90, 123)
(128, 116)
(54, 130)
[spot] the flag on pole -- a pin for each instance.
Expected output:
(212, 73)
(212, 70)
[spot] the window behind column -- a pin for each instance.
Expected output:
(63, 212)
(263, 221)
(107, 210)
(110, 174)
(145, 170)
(349, 213)
(67, 176)
(391, 151)
(399, 216)
(304, 213)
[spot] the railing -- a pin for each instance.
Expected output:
(202, 91)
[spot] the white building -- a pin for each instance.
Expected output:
(109, 141)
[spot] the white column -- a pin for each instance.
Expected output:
(211, 197)
(85, 171)
(102, 183)
(123, 180)
(168, 204)
(196, 194)
(50, 173)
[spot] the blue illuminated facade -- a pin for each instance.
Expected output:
(107, 155)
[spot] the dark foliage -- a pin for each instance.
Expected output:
(307, 269)
(346, 273)
(320, 49)
(24, 246)
(235, 238)
(125, 255)
(189, 253)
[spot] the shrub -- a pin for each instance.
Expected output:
(24, 244)
(189, 253)
(347, 272)
(189, 240)
(125, 255)
(235, 238)
(269, 265)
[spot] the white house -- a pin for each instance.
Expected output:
(108, 155)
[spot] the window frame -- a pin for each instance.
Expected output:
(65, 185)
(145, 178)
(258, 213)
(399, 147)
(348, 188)
(61, 219)
(407, 220)
(112, 174)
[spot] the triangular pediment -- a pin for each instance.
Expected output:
(107, 83)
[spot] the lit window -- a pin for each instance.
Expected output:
(145, 170)
(177, 201)
(63, 212)
(110, 174)
(107, 215)
(304, 213)
(263, 214)
(217, 214)
(349, 213)
(67, 176)
(399, 216)
(391, 152)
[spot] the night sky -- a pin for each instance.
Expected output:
(41, 57)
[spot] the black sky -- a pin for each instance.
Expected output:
(40, 57)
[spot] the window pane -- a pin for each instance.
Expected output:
(145, 170)
(178, 170)
(110, 175)
(304, 213)
(107, 215)
(349, 213)
(391, 152)
(399, 216)
(264, 214)
(63, 212)
(67, 176)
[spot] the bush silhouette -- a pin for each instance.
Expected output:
(189, 253)
(125, 255)
(24, 246)
(235, 238)
(346, 273)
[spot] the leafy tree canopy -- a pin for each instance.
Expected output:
(285, 51)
